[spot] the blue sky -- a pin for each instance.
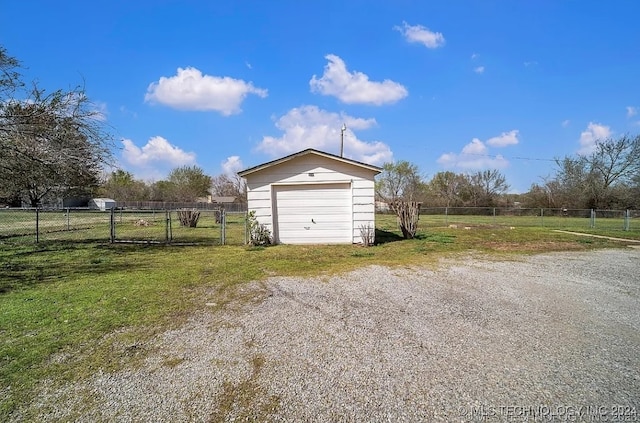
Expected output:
(447, 85)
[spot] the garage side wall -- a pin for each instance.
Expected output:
(313, 169)
(363, 207)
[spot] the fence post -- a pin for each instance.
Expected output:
(112, 225)
(246, 227)
(446, 216)
(223, 229)
(68, 224)
(593, 219)
(627, 218)
(37, 225)
(542, 217)
(167, 225)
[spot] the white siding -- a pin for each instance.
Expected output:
(277, 194)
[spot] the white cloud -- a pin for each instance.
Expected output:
(632, 111)
(189, 89)
(475, 155)
(311, 127)
(588, 138)
(479, 69)
(530, 63)
(421, 34)
(156, 150)
(565, 123)
(504, 139)
(232, 165)
(474, 56)
(354, 87)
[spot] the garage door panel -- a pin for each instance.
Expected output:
(322, 220)
(314, 212)
(304, 237)
(319, 225)
(308, 214)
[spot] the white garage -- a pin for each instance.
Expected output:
(312, 197)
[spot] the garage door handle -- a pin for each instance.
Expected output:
(313, 221)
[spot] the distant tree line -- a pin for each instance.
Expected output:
(183, 184)
(607, 178)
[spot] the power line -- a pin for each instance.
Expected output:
(495, 156)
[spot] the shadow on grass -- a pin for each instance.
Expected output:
(27, 266)
(383, 237)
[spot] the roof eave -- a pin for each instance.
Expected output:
(266, 165)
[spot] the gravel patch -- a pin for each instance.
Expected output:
(550, 337)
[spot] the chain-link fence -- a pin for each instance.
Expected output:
(216, 227)
(570, 219)
(220, 226)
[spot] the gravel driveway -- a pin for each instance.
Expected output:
(551, 337)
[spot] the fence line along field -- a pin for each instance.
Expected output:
(27, 225)
(218, 227)
(30, 225)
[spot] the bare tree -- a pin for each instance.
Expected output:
(401, 186)
(484, 188)
(51, 143)
(228, 186)
(603, 178)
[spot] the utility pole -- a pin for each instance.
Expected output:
(344, 128)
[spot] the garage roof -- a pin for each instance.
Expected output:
(263, 166)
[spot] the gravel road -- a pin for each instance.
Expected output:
(550, 337)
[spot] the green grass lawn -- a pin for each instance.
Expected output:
(68, 309)
(19, 226)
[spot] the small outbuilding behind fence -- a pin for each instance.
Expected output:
(102, 204)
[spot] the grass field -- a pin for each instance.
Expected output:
(68, 309)
(19, 226)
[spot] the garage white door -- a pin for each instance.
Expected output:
(313, 214)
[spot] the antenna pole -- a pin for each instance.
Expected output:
(344, 128)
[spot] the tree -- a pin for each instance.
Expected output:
(483, 188)
(399, 181)
(603, 178)
(228, 186)
(9, 76)
(401, 186)
(51, 144)
(544, 195)
(188, 183)
(162, 191)
(447, 186)
(122, 186)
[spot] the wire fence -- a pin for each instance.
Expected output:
(560, 218)
(224, 227)
(215, 227)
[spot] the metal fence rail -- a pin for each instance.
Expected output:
(624, 220)
(220, 226)
(214, 227)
